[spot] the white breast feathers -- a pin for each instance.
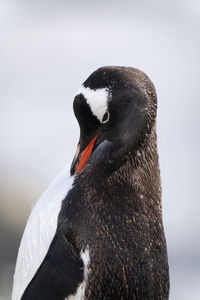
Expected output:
(39, 232)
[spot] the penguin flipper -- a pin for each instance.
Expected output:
(60, 273)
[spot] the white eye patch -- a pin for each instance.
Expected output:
(97, 100)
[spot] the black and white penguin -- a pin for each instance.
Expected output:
(98, 234)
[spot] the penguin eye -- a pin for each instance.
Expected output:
(106, 117)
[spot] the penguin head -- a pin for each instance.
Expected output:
(115, 104)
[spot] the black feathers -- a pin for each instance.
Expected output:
(114, 207)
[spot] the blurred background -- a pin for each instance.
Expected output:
(47, 50)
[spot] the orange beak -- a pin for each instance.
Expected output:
(85, 154)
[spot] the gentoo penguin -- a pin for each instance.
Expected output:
(98, 234)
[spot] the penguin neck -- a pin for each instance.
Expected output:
(137, 168)
(141, 170)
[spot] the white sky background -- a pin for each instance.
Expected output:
(47, 50)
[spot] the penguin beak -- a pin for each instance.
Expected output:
(81, 158)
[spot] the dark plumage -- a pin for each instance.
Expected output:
(114, 207)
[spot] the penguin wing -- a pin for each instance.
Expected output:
(43, 253)
(60, 274)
